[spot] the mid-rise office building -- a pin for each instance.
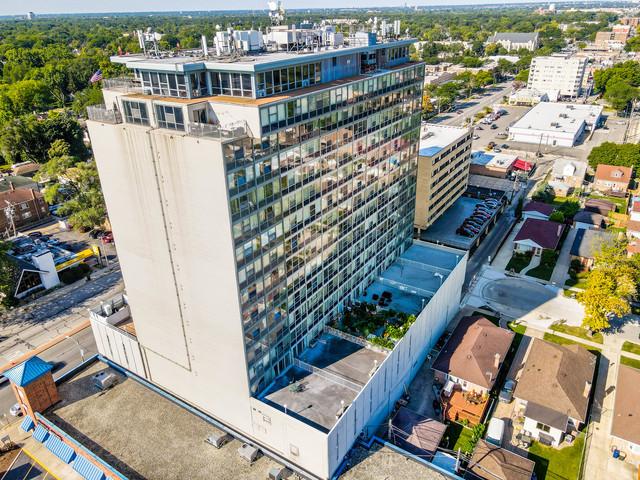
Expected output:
(254, 194)
(443, 170)
(557, 75)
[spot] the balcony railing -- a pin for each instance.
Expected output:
(122, 84)
(100, 113)
(227, 132)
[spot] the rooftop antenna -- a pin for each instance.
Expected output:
(276, 12)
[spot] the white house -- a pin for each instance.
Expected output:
(554, 389)
(539, 210)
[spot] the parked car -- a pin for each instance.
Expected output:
(53, 241)
(504, 146)
(34, 234)
(476, 137)
(496, 150)
(15, 410)
(506, 394)
(107, 238)
(96, 233)
(494, 126)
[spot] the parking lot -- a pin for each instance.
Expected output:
(613, 132)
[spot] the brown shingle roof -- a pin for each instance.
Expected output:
(556, 376)
(613, 173)
(626, 411)
(470, 353)
(18, 196)
(633, 226)
(542, 232)
(494, 463)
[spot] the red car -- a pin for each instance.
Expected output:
(107, 237)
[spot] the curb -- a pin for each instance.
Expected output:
(45, 346)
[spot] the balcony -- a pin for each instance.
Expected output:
(231, 131)
(122, 84)
(100, 113)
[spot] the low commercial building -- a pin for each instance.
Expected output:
(625, 425)
(556, 124)
(443, 171)
(529, 97)
(537, 235)
(615, 39)
(563, 74)
(554, 390)
(491, 164)
(588, 243)
(514, 41)
(473, 355)
(612, 178)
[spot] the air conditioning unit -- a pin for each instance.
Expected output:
(279, 473)
(249, 453)
(218, 439)
(261, 93)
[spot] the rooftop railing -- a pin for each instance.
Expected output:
(122, 84)
(101, 113)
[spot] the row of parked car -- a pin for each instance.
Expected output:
(482, 213)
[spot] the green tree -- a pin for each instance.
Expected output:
(609, 153)
(633, 44)
(610, 286)
(620, 94)
(8, 275)
(523, 76)
(557, 216)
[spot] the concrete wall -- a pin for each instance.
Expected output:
(168, 206)
(530, 426)
(374, 402)
(118, 346)
(542, 137)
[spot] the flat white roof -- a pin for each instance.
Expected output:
(492, 160)
(558, 117)
(435, 138)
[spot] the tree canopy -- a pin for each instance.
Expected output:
(622, 155)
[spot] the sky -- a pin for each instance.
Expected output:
(20, 7)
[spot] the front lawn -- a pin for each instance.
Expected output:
(557, 463)
(579, 282)
(550, 337)
(518, 262)
(547, 264)
(631, 347)
(630, 362)
(577, 332)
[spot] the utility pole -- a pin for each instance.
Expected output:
(9, 211)
(626, 130)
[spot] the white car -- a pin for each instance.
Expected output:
(15, 410)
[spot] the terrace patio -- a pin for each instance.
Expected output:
(461, 406)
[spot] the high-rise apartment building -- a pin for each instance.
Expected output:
(254, 193)
(443, 170)
(558, 75)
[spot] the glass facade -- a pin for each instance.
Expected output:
(165, 84)
(290, 78)
(320, 204)
(135, 112)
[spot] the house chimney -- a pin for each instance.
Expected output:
(559, 229)
(587, 389)
(496, 361)
(12, 187)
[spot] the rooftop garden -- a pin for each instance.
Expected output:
(380, 326)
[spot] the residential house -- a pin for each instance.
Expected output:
(554, 389)
(588, 220)
(588, 243)
(473, 355)
(612, 178)
(625, 426)
(21, 208)
(633, 247)
(536, 235)
(514, 41)
(539, 210)
(569, 171)
(490, 462)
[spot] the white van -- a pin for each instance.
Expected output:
(495, 431)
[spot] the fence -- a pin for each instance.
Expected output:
(327, 375)
(357, 340)
(122, 84)
(227, 132)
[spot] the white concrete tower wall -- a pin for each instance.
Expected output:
(177, 259)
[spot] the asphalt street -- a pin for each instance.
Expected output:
(67, 352)
(471, 106)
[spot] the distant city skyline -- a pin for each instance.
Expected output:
(125, 6)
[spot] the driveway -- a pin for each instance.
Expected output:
(560, 272)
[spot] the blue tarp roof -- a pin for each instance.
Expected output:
(40, 433)
(86, 469)
(27, 424)
(60, 449)
(28, 371)
(429, 151)
(481, 158)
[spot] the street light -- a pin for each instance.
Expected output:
(79, 346)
